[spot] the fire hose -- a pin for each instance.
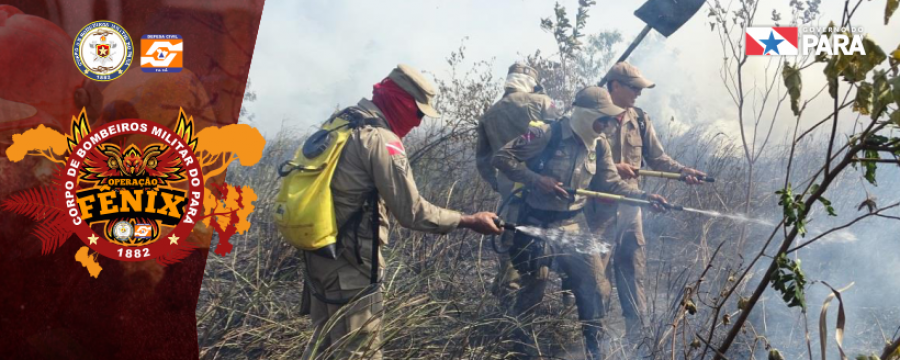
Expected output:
(587, 193)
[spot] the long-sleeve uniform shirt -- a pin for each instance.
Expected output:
(504, 121)
(374, 159)
(628, 144)
(572, 164)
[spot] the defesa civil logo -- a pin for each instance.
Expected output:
(162, 53)
(102, 50)
(789, 41)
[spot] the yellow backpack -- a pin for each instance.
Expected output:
(304, 209)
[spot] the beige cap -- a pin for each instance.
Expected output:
(628, 74)
(597, 98)
(411, 80)
(522, 68)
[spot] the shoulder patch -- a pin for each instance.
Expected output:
(395, 148)
(535, 131)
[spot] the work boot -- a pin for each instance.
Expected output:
(568, 298)
(506, 285)
(593, 333)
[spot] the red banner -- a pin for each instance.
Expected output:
(152, 60)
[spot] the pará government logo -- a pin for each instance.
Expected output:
(790, 41)
(103, 50)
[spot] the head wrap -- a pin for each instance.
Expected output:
(520, 82)
(582, 123)
(397, 105)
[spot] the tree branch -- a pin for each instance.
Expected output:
(849, 224)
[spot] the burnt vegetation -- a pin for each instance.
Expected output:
(717, 287)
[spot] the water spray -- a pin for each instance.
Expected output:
(539, 232)
(584, 243)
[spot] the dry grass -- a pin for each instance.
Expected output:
(438, 302)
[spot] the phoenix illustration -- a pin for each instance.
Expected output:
(106, 161)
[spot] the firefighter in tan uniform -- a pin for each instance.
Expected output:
(345, 304)
(576, 157)
(623, 222)
(510, 117)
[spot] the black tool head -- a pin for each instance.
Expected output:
(666, 16)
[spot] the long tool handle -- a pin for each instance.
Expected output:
(671, 175)
(622, 199)
(628, 51)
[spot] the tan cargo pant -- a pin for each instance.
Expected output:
(350, 331)
(623, 223)
(507, 280)
(534, 259)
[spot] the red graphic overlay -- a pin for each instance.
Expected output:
(51, 307)
(181, 231)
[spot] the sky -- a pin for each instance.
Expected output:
(312, 56)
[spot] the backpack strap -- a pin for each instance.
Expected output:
(376, 237)
(537, 164)
(358, 118)
(642, 125)
(354, 223)
(555, 139)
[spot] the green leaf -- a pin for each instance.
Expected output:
(871, 166)
(828, 207)
(789, 280)
(792, 207)
(546, 24)
(823, 57)
(874, 54)
(830, 26)
(794, 84)
(895, 89)
(859, 65)
(889, 9)
(835, 66)
(881, 94)
(863, 103)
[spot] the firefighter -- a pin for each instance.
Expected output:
(570, 153)
(374, 160)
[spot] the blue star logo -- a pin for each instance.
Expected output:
(771, 43)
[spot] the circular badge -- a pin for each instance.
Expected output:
(138, 192)
(103, 50)
(123, 231)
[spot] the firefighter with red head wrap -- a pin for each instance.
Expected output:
(374, 160)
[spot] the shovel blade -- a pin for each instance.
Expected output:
(666, 16)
